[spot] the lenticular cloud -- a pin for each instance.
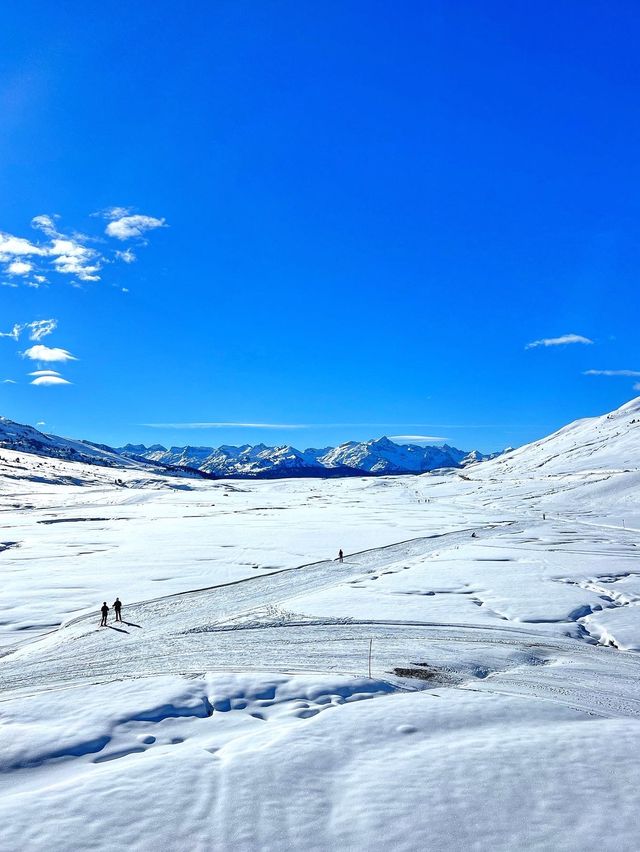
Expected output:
(44, 381)
(48, 353)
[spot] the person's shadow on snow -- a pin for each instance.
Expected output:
(119, 629)
(131, 624)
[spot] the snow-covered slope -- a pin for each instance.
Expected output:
(379, 456)
(20, 438)
(610, 442)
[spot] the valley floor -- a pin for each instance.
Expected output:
(467, 678)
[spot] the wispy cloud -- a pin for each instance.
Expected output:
(632, 373)
(558, 341)
(127, 256)
(137, 225)
(415, 439)
(41, 328)
(15, 332)
(385, 426)
(48, 381)
(9, 382)
(45, 224)
(44, 373)
(226, 425)
(46, 353)
(37, 329)
(113, 212)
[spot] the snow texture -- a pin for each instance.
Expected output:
(467, 678)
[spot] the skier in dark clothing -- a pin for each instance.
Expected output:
(117, 605)
(340, 556)
(104, 609)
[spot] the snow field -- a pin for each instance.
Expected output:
(232, 709)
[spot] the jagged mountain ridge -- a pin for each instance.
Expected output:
(22, 438)
(377, 456)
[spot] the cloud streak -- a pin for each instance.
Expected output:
(416, 439)
(217, 425)
(632, 373)
(225, 425)
(559, 341)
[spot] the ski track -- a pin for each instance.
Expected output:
(222, 629)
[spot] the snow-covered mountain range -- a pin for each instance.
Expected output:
(20, 438)
(378, 456)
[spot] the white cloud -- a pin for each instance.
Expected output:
(415, 439)
(631, 373)
(558, 341)
(113, 212)
(41, 423)
(46, 381)
(9, 382)
(11, 246)
(45, 224)
(19, 267)
(45, 373)
(15, 332)
(37, 329)
(72, 258)
(45, 353)
(225, 425)
(41, 328)
(127, 256)
(132, 226)
(637, 386)
(70, 254)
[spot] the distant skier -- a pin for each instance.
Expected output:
(340, 556)
(117, 605)
(104, 609)
(544, 516)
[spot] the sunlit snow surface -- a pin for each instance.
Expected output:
(233, 708)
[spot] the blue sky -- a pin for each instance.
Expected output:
(352, 218)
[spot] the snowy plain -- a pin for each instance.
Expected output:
(468, 677)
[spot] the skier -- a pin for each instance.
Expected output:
(117, 605)
(340, 555)
(104, 609)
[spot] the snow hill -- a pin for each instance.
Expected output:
(378, 456)
(609, 442)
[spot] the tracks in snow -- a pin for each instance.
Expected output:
(249, 625)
